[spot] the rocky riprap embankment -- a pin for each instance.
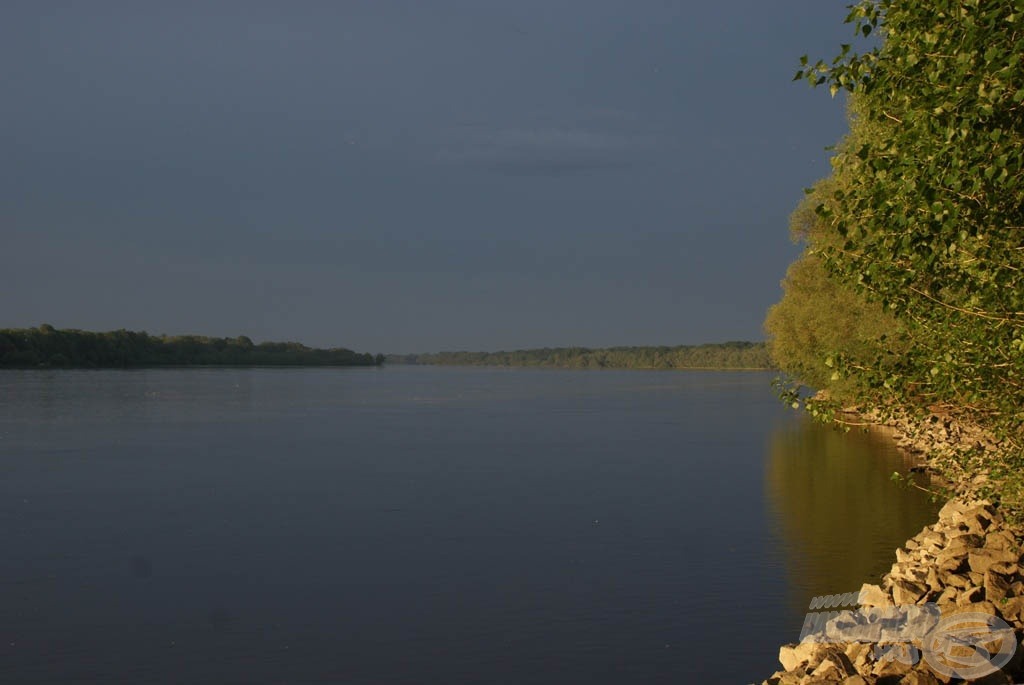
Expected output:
(967, 562)
(942, 443)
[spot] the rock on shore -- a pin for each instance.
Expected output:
(969, 562)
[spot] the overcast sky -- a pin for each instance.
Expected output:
(408, 176)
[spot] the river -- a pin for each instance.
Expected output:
(425, 525)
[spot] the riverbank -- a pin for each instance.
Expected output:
(956, 588)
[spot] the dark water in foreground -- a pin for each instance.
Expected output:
(423, 525)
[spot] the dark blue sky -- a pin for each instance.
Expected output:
(408, 176)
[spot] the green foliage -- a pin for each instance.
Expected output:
(47, 347)
(926, 215)
(730, 355)
(819, 317)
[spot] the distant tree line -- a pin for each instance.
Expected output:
(729, 355)
(46, 346)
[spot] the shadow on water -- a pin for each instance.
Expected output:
(839, 513)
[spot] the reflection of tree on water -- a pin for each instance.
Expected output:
(841, 517)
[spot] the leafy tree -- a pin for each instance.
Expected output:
(926, 212)
(821, 318)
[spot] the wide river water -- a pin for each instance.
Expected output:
(424, 525)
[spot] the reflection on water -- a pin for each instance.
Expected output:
(840, 514)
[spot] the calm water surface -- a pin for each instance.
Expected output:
(424, 525)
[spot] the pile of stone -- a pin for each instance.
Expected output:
(969, 562)
(937, 437)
